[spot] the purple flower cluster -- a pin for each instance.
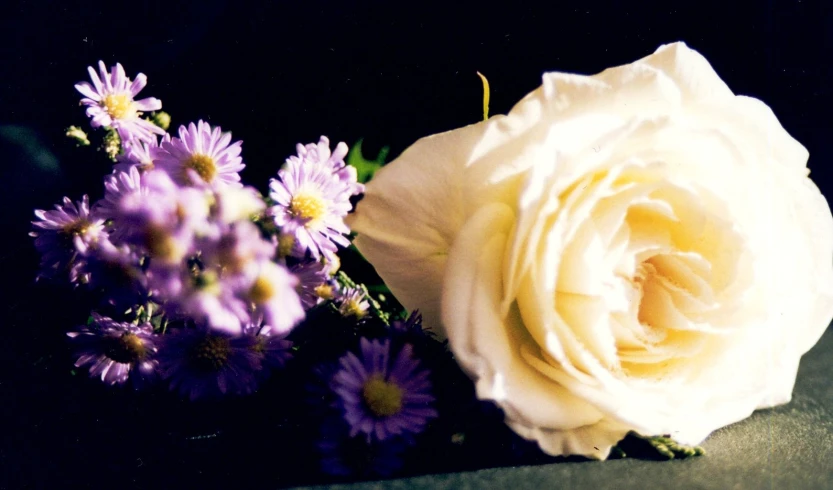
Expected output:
(206, 287)
(177, 233)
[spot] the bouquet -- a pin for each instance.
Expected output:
(621, 265)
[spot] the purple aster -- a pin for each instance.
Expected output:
(141, 155)
(271, 345)
(383, 397)
(413, 324)
(311, 204)
(202, 155)
(113, 271)
(318, 154)
(312, 199)
(270, 289)
(411, 329)
(352, 302)
(313, 282)
(204, 364)
(116, 351)
(234, 204)
(118, 186)
(110, 103)
(201, 296)
(239, 248)
(56, 231)
(151, 212)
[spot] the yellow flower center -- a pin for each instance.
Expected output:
(207, 281)
(259, 347)
(353, 307)
(334, 263)
(324, 291)
(307, 206)
(79, 227)
(212, 353)
(126, 348)
(160, 244)
(203, 165)
(381, 397)
(261, 291)
(119, 106)
(285, 244)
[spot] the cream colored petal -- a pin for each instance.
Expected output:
(485, 344)
(592, 440)
(410, 214)
(414, 206)
(746, 119)
(815, 219)
(689, 71)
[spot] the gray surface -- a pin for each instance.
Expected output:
(789, 447)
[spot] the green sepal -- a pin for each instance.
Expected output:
(161, 119)
(78, 134)
(663, 447)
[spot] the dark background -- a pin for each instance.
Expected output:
(278, 73)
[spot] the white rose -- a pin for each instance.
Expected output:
(635, 250)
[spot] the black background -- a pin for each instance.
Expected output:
(278, 73)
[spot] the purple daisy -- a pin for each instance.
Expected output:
(312, 282)
(318, 154)
(200, 296)
(239, 248)
(383, 397)
(271, 345)
(118, 186)
(152, 213)
(233, 204)
(413, 324)
(202, 155)
(270, 289)
(116, 351)
(312, 199)
(352, 302)
(110, 103)
(113, 271)
(141, 155)
(56, 232)
(202, 364)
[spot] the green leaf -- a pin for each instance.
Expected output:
(366, 168)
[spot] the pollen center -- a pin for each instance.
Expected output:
(160, 244)
(119, 106)
(203, 165)
(324, 291)
(78, 227)
(261, 291)
(126, 348)
(353, 307)
(286, 243)
(212, 353)
(307, 206)
(381, 397)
